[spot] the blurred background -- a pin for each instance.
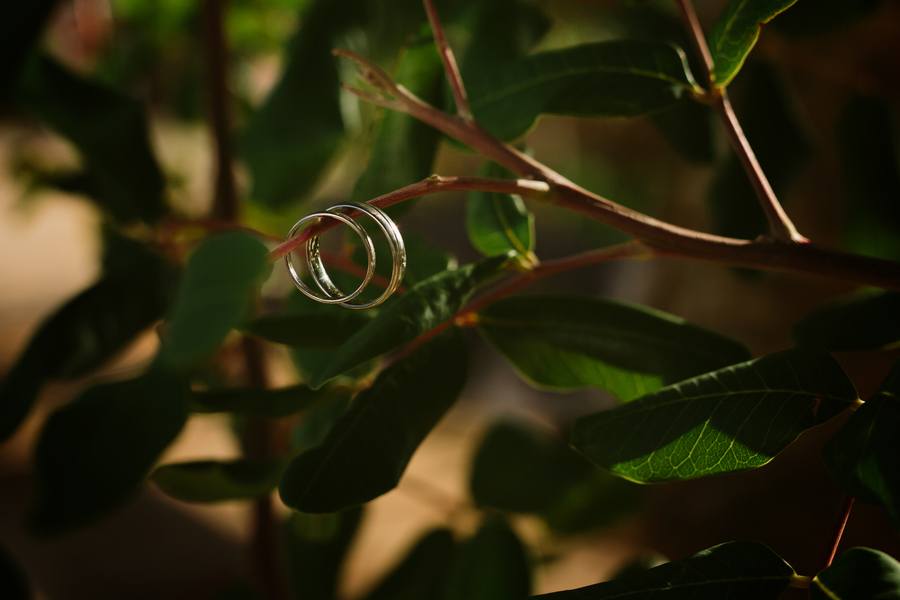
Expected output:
(818, 99)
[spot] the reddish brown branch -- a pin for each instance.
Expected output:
(846, 509)
(451, 69)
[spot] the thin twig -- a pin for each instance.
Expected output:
(846, 509)
(451, 69)
(780, 225)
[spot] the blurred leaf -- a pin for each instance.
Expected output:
(617, 78)
(863, 455)
(732, 419)
(735, 33)
(290, 139)
(499, 223)
(13, 579)
(492, 565)
(94, 453)
(870, 165)
(859, 574)
(89, 329)
(519, 468)
(824, 16)
(110, 132)
(218, 481)
(279, 402)
(857, 322)
(423, 571)
(309, 329)
(688, 127)
(570, 342)
(421, 308)
(215, 295)
(317, 546)
(376, 438)
(22, 25)
(425, 259)
(318, 421)
(733, 570)
(773, 127)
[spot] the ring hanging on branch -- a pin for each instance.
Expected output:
(330, 292)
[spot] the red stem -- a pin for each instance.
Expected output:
(839, 530)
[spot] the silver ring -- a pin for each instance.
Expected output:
(318, 272)
(333, 298)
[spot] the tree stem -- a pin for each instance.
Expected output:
(839, 530)
(451, 69)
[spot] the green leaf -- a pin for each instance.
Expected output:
(110, 132)
(859, 574)
(492, 565)
(570, 342)
(732, 419)
(94, 453)
(321, 329)
(863, 455)
(218, 481)
(857, 322)
(13, 579)
(423, 571)
(275, 403)
(215, 295)
(89, 329)
(376, 438)
(499, 223)
(736, 32)
(734, 570)
(617, 78)
(291, 138)
(522, 469)
(421, 308)
(688, 127)
(317, 546)
(23, 23)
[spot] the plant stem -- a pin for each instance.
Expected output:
(839, 530)
(780, 225)
(451, 69)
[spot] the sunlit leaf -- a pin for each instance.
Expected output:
(317, 546)
(736, 32)
(110, 132)
(492, 565)
(734, 570)
(218, 481)
(423, 571)
(376, 438)
(859, 574)
(214, 296)
(857, 322)
(619, 78)
(863, 455)
(94, 453)
(570, 342)
(732, 419)
(499, 223)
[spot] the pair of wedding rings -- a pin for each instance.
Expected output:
(328, 292)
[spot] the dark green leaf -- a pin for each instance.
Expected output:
(519, 468)
(88, 329)
(734, 570)
(499, 223)
(309, 329)
(568, 342)
(867, 136)
(214, 296)
(425, 259)
(279, 402)
(732, 419)
(94, 453)
(292, 136)
(316, 548)
(318, 421)
(859, 574)
(492, 565)
(110, 132)
(217, 481)
(421, 308)
(736, 32)
(376, 438)
(13, 580)
(688, 126)
(423, 572)
(780, 142)
(863, 455)
(858, 322)
(22, 24)
(618, 78)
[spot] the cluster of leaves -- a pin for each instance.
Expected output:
(693, 403)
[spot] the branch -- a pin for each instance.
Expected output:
(451, 69)
(780, 225)
(429, 185)
(846, 509)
